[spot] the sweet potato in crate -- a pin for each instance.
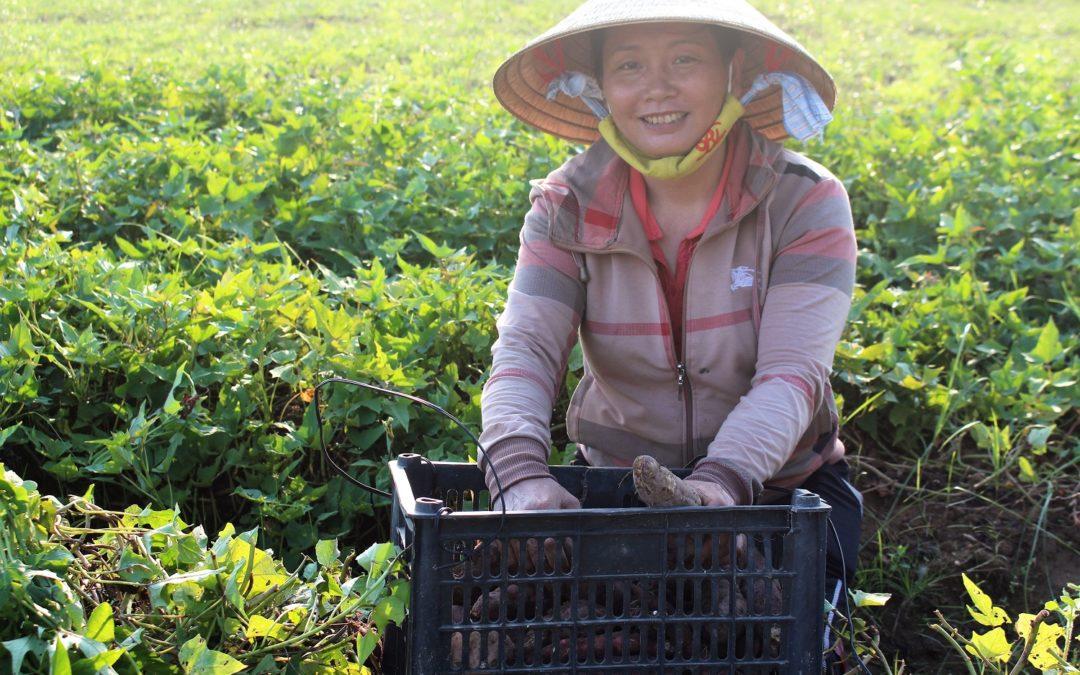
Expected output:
(614, 587)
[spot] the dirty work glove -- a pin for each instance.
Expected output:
(534, 494)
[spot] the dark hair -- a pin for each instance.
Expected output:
(728, 39)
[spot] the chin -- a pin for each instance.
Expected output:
(668, 151)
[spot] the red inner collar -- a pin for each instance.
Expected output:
(674, 285)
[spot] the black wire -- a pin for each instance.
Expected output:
(409, 397)
(847, 602)
(843, 583)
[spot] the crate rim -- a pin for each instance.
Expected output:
(426, 508)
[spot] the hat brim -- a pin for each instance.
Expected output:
(521, 82)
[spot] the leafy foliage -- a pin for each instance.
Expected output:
(193, 386)
(70, 603)
(1046, 646)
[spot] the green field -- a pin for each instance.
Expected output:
(206, 208)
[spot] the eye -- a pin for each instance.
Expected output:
(627, 66)
(684, 59)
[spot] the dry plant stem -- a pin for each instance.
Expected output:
(951, 635)
(1036, 624)
(877, 652)
(656, 486)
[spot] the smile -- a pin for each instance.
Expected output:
(664, 118)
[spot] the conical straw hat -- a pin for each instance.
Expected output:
(521, 82)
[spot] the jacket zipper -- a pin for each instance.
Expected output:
(683, 387)
(686, 394)
(686, 390)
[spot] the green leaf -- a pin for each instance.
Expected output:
(6, 433)
(171, 405)
(875, 352)
(128, 248)
(99, 662)
(392, 607)
(911, 382)
(365, 645)
(1038, 437)
(264, 571)
(134, 567)
(1049, 345)
(215, 184)
(100, 626)
(61, 662)
(18, 650)
(1027, 472)
(984, 611)
(157, 590)
(437, 250)
(992, 646)
(375, 557)
(389, 609)
(260, 626)
(864, 599)
(326, 552)
(197, 659)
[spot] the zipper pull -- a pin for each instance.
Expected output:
(680, 369)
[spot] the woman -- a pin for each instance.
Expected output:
(706, 271)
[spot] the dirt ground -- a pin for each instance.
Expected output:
(1017, 540)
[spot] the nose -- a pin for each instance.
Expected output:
(659, 84)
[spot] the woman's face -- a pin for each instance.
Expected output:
(664, 84)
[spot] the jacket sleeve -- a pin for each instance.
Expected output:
(537, 330)
(806, 305)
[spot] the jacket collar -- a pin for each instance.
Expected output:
(592, 212)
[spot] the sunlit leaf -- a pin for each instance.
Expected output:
(1049, 345)
(365, 644)
(157, 589)
(1046, 641)
(100, 624)
(260, 626)
(1027, 472)
(864, 599)
(992, 646)
(128, 248)
(326, 552)
(197, 659)
(984, 611)
(61, 661)
(910, 382)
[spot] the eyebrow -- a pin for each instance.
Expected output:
(674, 43)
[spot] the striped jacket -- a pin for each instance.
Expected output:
(766, 297)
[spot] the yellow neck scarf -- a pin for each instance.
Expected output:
(675, 167)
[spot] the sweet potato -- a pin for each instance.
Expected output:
(656, 486)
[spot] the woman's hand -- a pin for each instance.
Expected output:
(712, 494)
(534, 494)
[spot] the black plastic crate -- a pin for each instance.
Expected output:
(618, 588)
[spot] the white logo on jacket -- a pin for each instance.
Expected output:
(742, 277)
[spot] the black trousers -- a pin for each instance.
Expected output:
(830, 482)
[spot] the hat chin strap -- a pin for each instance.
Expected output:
(666, 168)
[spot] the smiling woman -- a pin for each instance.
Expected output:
(705, 270)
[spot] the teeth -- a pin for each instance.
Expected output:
(664, 119)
